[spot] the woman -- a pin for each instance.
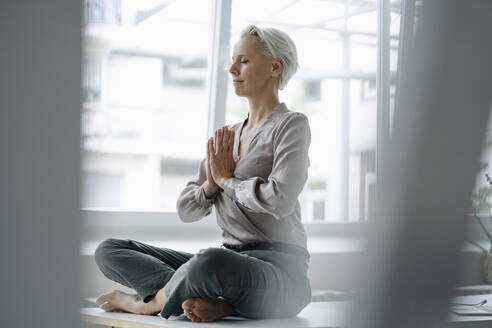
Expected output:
(253, 174)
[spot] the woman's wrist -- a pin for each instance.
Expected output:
(221, 181)
(209, 189)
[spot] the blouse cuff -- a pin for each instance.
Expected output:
(202, 199)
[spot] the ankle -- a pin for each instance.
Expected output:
(153, 307)
(140, 308)
(144, 308)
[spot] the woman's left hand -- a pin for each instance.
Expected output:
(222, 163)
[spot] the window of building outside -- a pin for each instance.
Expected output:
(145, 89)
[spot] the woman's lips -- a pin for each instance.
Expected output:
(237, 81)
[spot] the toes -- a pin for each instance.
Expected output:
(202, 310)
(108, 307)
(188, 315)
(103, 298)
(109, 296)
(188, 304)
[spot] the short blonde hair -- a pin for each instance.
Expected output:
(276, 44)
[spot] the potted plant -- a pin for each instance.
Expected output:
(481, 208)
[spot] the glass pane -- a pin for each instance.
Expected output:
(363, 140)
(145, 71)
(335, 87)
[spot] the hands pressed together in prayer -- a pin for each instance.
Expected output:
(220, 161)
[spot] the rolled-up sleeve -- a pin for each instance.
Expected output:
(278, 195)
(193, 204)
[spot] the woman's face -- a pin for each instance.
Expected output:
(251, 71)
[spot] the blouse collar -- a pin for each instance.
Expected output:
(264, 125)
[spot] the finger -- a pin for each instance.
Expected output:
(208, 153)
(225, 139)
(209, 141)
(231, 140)
(216, 141)
(220, 141)
(211, 152)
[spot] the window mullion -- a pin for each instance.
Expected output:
(383, 85)
(221, 30)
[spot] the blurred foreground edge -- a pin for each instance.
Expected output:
(444, 99)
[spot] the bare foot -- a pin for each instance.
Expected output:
(117, 301)
(203, 310)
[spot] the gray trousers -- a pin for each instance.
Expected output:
(257, 283)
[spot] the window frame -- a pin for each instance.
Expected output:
(217, 89)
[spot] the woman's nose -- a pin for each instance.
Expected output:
(233, 70)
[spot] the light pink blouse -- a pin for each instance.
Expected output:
(260, 202)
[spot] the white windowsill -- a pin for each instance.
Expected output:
(164, 229)
(316, 245)
(157, 226)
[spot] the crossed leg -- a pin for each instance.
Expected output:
(116, 258)
(168, 281)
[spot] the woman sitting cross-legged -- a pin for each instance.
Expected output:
(253, 174)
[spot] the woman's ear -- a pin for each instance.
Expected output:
(277, 67)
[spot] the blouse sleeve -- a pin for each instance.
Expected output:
(278, 195)
(192, 204)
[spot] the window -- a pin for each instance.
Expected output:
(336, 87)
(156, 71)
(145, 100)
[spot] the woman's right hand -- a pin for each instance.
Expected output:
(209, 186)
